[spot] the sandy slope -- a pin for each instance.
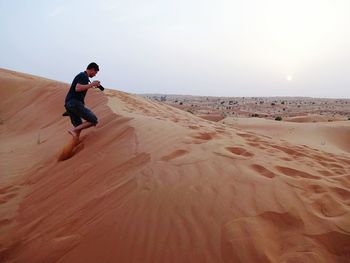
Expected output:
(333, 137)
(155, 184)
(312, 118)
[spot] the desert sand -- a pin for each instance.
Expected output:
(152, 183)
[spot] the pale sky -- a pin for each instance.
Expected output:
(197, 47)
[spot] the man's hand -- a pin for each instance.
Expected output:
(95, 83)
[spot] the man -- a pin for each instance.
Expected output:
(74, 102)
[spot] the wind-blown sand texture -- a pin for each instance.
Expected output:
(152, 183)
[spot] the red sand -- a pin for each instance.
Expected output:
(152, 183)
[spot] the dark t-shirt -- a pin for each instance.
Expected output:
(81, 78)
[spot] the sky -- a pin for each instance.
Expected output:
(195, 47)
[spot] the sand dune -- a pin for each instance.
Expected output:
(311, 118)
(332, 137)
(152, 183)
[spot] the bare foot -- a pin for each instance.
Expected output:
(74, 134)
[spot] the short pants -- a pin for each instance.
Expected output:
(78, 111)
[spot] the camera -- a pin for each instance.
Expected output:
(100, 87)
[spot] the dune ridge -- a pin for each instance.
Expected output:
(155, 184)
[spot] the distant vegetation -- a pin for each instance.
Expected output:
(278, 118)
(261, 107)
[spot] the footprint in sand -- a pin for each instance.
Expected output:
(328, 206)
(248, 136)
(257, 145)
(222, 131)
(289, 151)
(261, 170)
(315, 189)
(174, 155)
(200, 137)
(205, 136)
(239, 151)
(295, 173)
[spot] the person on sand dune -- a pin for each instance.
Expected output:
(74, 102)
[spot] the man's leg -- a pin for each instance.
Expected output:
(91, 120)
(77, 110)
(75, 132)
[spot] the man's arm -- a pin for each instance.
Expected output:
(81, 87)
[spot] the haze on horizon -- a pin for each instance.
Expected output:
(214, 48)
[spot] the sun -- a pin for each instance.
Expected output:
(289, 77)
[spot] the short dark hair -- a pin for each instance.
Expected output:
(94, 66)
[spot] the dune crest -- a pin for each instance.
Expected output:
(157, 184)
